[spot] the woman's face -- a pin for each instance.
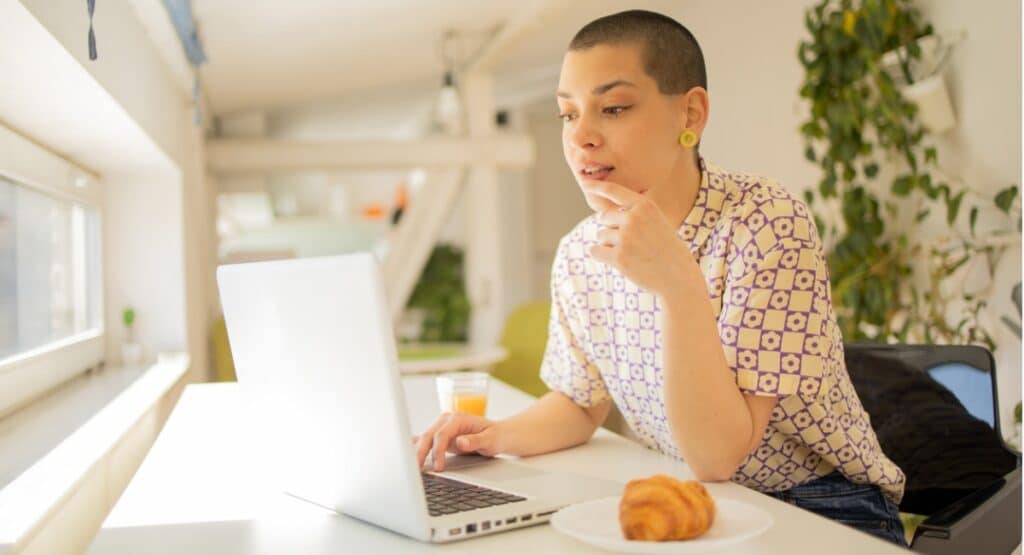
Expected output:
(617, 126)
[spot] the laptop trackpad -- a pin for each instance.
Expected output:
(495, 471)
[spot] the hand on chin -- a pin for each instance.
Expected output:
(598, 204)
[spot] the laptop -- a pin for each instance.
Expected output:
(314, 352)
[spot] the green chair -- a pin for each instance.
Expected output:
(223, 364)
(524, 337)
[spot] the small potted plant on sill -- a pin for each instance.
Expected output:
(131, 352)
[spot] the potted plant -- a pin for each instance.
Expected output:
(917, 71)
(864, 134)
(439, 301)
(131, 352)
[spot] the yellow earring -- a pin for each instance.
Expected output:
(688, 138)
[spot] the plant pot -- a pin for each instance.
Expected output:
(928, 91)
(131, 354)
(933, 56)
(935, 111)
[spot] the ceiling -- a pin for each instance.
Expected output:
(286, 54)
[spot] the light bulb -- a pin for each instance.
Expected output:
(449, 107)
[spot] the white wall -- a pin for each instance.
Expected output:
(984, 149)
(127, 66)
(515, 192)
(556, 204)
(143, 261)
(157, 224)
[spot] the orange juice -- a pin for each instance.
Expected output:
(464, 392)
(470, 403)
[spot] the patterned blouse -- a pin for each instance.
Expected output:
(760, 253)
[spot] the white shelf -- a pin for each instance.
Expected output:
(464, 357)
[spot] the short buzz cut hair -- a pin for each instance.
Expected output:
(671, 55)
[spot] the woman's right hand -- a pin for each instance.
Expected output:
(457, 433)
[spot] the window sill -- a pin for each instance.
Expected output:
(48, 451)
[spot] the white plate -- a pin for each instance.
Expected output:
(597, 523)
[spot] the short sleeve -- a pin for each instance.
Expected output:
(775, 312)
(566, 367)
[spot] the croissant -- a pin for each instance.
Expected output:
(661, 508)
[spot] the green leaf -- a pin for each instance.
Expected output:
(813, 130)
(956, 266)
(809, 196)
(930, 154)
(810, 23)
(828, 186)
(128, 317)
(803, 55)
(914, 49)
(953, 207)
(871, 170)
(1005, 198)
(809, 154)
(902, 185)
(819, 223)
(974, 218)
(922, 215)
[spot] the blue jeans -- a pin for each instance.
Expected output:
(862, 506)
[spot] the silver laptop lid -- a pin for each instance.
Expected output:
(313, 349)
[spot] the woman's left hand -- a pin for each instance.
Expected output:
(636, 239)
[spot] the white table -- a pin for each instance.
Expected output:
(199, 491)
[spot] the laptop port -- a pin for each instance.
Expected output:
(470, 528)
(485, 525)
(512, 520)
(526, 517)
(539, 515)
(454, 531)
(497, 523)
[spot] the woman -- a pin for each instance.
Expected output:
(696, 299)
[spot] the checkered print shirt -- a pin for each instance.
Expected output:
(766, 275)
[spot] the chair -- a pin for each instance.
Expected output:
(934, 408)
(525, 337)
(223, 364)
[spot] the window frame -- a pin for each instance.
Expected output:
(29, 374)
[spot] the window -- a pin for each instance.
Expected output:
(49, 269)
(51, 301)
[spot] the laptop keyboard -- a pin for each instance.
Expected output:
(446, 496)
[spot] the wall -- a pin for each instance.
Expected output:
(157, 215)
(556, 204)
(515, 191)
(984, 149)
